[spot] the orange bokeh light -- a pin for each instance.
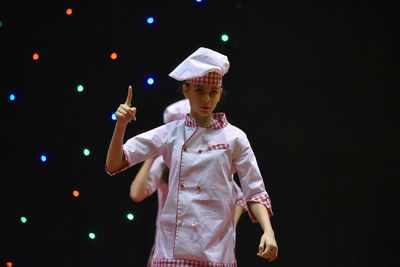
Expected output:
(75, 193)
(9, 264)
(35, 56)
(68, 11)
(113, 56)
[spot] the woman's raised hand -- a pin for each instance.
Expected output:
(125, 112)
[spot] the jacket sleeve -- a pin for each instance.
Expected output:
(144, 146)
(250, 178)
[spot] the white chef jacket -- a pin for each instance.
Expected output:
(157, 183)
(196, 224)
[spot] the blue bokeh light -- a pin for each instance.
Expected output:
(150, 81)
(12, 97)
(113, 117)
(43, 158)
(150, 20)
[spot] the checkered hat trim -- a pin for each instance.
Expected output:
(211, 78)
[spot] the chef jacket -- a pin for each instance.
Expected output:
(156, 182)
(196, 223)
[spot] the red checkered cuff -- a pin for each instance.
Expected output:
(264, 200)
(241, 202)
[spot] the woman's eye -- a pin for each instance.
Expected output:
(198, 90)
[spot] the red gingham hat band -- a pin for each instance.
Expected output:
(211, 78)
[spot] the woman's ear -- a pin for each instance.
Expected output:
(220, 94)
(185, 89)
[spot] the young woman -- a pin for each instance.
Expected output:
(153, 174)
(202, 152)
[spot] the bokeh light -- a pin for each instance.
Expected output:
(35, 56)
(150, 20)
(224, 37)
(86, 152)
(1, 24)
(9, 264)
(113, 55)
(23, 219)
(130, 216)
(92, 235)
(150, 81)
(68, 11)
(113, 117)
(75, 193)
(79, 88)
(11, 97)
(43, 158)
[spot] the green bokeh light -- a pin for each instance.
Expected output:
(79, 88)
(92, 236)
(86, 152)
(130, 216)
(224, 38)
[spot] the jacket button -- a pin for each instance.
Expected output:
(182, 185)
(184, 148)
(179, 222)
(199, 187)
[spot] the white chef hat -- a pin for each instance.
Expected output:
(204, 66)
(176, 110)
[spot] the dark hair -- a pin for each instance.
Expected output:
(165, 173)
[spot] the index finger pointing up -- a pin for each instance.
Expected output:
(129, 97)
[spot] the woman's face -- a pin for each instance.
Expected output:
(203, 98)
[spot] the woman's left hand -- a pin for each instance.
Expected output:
(268, 249)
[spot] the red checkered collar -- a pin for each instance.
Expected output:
(218, 121)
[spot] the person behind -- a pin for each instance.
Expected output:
(153, 174)
(202, 152)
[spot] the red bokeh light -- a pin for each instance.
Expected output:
(35, 56)
(113, 56)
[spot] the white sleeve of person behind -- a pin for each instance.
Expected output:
(155, 175)
(240, 201)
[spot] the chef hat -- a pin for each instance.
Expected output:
(204, 66)
(176, 111)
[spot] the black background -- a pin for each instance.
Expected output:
(313, 84)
